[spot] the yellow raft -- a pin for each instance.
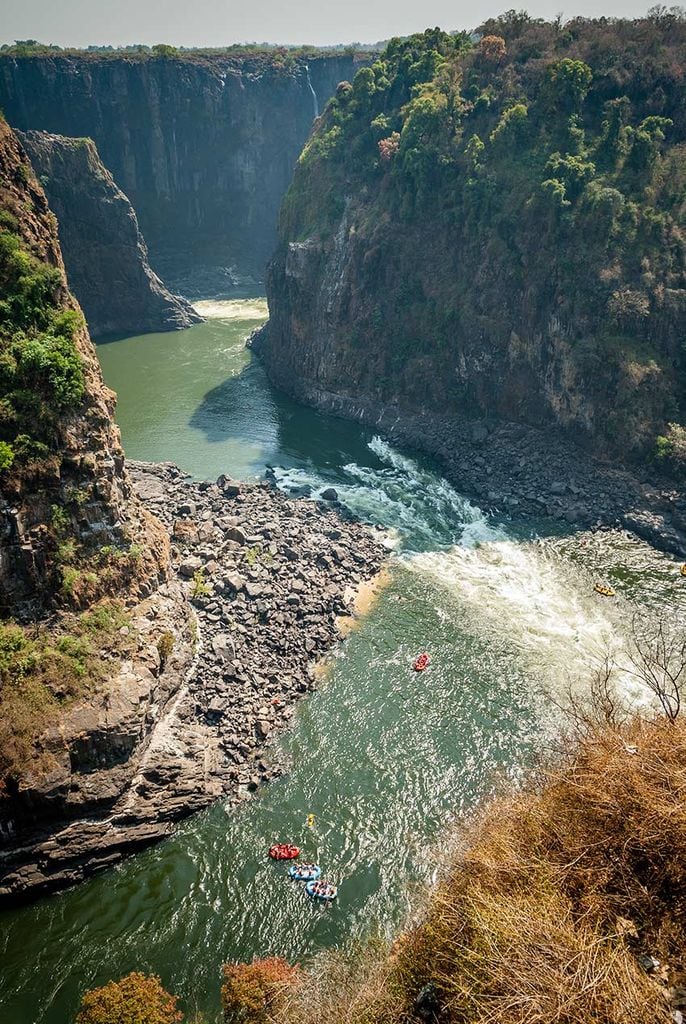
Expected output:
(683, 570)
(602, 588)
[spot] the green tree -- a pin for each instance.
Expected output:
(165, 50)
(567, 83)
(512, 126)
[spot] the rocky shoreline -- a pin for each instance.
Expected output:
(521, 471)
(259, 583)
(512, 468)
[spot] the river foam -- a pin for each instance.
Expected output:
(232, 309)
(522, 594)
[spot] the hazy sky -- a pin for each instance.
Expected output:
(218, 22)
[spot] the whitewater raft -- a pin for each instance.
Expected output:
(322, 890)
(305, 872)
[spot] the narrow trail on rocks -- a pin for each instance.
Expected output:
(164, 736)
(384, 758)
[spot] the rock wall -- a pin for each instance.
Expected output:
(72, 507)
(203, 147)
(443, 270)
(83, 475)
(364, 322)
(104, 252)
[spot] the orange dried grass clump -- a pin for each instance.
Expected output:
(252, 992)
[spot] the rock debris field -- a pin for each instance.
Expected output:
(268, 577)
(258, 584)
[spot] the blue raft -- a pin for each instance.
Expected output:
(305, 872)
(321, 890)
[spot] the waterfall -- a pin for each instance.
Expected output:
(315, 102)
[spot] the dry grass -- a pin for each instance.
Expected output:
(553, 894)
(44, 668)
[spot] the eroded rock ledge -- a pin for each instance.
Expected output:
(260, 581)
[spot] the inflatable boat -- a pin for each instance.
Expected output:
(305, 872)
(284, 851)
(321, 890)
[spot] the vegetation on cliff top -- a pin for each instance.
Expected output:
(547, 162)
(258, 56)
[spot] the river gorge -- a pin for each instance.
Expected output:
(314, 360)
(382, 758)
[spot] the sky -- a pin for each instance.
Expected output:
(221, 22)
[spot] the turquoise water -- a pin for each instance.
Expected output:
(383, 758)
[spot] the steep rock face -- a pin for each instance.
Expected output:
(105, 254)
(446, 249)
(204, 148)
(85, 589)
(340, 336)
(79, 469)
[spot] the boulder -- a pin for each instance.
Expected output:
(223, 647)
(190, 566)
(229, 488)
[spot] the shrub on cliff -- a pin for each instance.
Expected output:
(253, 993)
(45, 668)
(41, 372)
(493, 48)
(670, 451)
(165, 50)
(136, 999)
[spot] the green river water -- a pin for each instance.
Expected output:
(383, 759)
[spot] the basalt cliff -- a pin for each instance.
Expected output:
(77, 547)
(494, 231)
(204, 146)
(62, 471)
(104, 252)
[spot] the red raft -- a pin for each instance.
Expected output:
(284, 851)
(421, 662)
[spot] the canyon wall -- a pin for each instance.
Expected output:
(204, 147)
(104, 252)
(86, 590)
(62, 477)
(477, 233)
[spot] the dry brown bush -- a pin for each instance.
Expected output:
(553, 894)
(253, 993)
(136, 999)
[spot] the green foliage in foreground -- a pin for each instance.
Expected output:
(41, 372)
